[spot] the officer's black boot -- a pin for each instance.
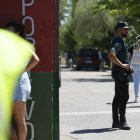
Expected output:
(123, 123)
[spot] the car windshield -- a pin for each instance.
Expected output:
(88, 52)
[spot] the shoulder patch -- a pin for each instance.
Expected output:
(116, 45)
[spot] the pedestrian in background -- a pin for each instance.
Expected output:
(135, 62)
(66, 58)
(23, 88)
(119, 56)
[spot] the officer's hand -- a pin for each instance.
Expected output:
(126, 66)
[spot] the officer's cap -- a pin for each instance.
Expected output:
(121, 24)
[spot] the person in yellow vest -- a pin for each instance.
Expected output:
(23, 88)
(12, 64)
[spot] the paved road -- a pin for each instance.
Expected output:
(85, 108)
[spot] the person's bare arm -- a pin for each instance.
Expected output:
(33, 62)
(115, 60)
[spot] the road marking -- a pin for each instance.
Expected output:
(94, 113)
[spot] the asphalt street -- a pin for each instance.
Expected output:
(85, 107)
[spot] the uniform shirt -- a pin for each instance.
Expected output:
(120, 50)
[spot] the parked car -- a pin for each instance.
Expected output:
(88, 58)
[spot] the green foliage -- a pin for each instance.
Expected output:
(91, 26)
(74, 3)
(92, 22)
(66, 38)
(67, 41)
(125, 10)
(62, 8)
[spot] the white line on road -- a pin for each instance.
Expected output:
(94, 113)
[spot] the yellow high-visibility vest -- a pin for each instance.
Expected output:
(14, 53)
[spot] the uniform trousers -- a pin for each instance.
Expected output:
(120, 101)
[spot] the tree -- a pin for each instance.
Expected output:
(127, 10)
(74, 3)
(66, 39)
(64, 10)
(123, 9)
(90, 25)
(91, 22)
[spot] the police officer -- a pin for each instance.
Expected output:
(118, 56)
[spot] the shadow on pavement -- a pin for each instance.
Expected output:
(82, 70)
(93, 80)
(130, 103)
(109, 103)
(102, 130)
(133, 107)
(88, 80)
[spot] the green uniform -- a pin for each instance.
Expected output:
(120, 49)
